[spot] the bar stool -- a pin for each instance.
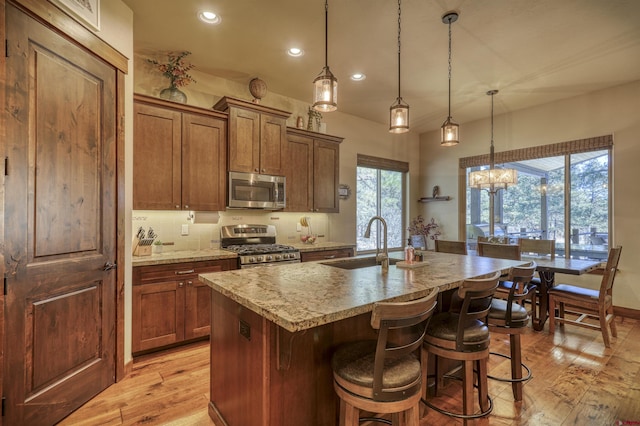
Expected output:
(461, 334)
(383, 376)
(510, 317)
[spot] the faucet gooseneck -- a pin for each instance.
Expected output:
(384, 257)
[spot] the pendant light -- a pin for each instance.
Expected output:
(492, 180)
(325, 97)
(399, 112)
(449, 132)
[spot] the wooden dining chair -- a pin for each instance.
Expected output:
(499, 251)
(455, 247)
(587, 303)
(384, 376)
(530, 246)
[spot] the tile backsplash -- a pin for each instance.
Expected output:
(170, 226)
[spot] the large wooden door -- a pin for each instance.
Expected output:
(60, 215)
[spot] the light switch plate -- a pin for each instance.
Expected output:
(185, 230)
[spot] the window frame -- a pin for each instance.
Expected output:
(380, 164)
(599, 143)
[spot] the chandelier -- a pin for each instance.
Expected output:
(325, 94)
(492, 179)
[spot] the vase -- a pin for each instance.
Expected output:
(173, 94)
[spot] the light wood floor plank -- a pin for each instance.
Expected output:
(576, 381)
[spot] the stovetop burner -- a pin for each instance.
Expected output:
(260, 248)
(256, 245)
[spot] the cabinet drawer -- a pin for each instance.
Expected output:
(179, 271)
(325, 254)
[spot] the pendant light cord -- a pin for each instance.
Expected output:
(326, 33)
(449, 68)
(399, 31)
(493, 92)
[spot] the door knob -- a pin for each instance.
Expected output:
(109, 266)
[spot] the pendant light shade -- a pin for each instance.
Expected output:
(325, 90)
(399, 111)
(450, 131)
(493, 179)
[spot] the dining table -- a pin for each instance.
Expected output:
(547, 269)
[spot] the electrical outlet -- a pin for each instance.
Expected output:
(298, 227)
(245, 329)
(185, 230)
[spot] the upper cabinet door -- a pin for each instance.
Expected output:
(273, 144)
(326, 168)
(299, 173)
(156, 158)
(204, 153)
(244, 140)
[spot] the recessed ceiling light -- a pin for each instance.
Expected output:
(209, 17)
(295, 51)
(358, 76)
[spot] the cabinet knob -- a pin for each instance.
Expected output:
(256, 170)
(189, 283)
(178, 206)
(180, 285)
(186, 206)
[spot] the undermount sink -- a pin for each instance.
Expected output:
(357, 262)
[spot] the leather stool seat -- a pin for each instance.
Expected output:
(354, 364)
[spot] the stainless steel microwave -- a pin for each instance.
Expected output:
(256, 191)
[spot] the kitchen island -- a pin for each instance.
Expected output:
(274, 330)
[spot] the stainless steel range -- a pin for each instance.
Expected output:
(256, 246)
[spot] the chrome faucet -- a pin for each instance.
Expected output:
(383, 257)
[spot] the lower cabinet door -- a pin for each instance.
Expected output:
(158, 317)
(197, 310)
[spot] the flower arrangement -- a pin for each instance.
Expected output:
(176, 69)
(427, 229)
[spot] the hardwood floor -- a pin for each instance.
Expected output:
(576, 381)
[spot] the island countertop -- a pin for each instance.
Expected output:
(305, 295)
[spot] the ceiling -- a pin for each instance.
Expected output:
(534, 52)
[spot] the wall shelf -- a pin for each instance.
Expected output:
(430, 199)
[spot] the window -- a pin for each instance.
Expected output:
(563, 193)
(380, 189)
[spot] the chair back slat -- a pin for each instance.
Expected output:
(538, 247)
(610, 270)
(455, 247)
(401, 329)
(499, 251)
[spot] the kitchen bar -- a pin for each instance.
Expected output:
(274, 330)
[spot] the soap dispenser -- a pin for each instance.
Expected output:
(409, 252)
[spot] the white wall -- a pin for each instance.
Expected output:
(612, 111)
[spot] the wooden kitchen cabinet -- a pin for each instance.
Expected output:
(257, 137)
(312, 171)
(308, 256)
(170, 305)
(179, 157)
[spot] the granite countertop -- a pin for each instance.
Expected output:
(310, 294)
(321, 246)
(182, 256)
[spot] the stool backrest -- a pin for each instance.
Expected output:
(472, 302)
(401, 329)
(521, 277)
(499, 251)
(538, 247)
(455, 247)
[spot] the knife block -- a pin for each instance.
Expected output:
(140, 250)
